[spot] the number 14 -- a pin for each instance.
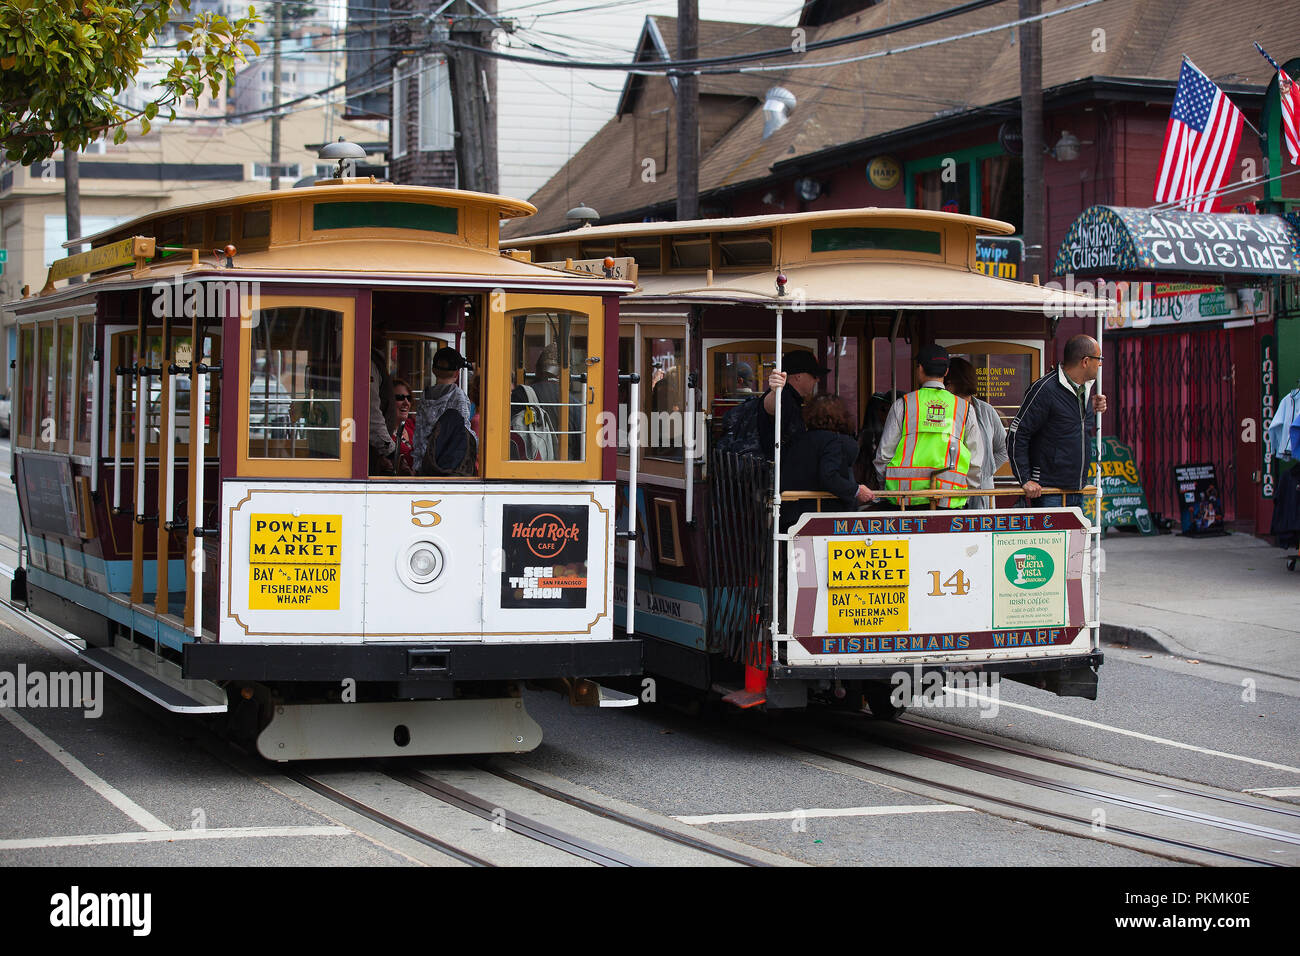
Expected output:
(957, 582)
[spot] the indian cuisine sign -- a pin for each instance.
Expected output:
(962, 581)
(1113, 239)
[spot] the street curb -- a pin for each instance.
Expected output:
(1134, 638)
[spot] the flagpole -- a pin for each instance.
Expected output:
(1243, 115)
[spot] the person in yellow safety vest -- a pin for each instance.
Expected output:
(931, 438)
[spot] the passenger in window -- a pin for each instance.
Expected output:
(443, 444)
(536, 413)
(404, 435)
(821, 459)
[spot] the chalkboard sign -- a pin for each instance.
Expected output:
(48, 500)
(1199, 500)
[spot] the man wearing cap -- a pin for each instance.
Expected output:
(443, 399)
(931, 436)
(800, 372)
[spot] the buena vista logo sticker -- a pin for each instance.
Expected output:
(1029, 568)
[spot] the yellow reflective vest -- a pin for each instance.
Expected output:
(930, 452)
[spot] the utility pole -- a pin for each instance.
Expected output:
(688, 112)
(1031, 130)
(473, 86)
(275, 95)
(72, 200)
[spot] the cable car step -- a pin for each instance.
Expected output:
(159, 680)
(738, 697)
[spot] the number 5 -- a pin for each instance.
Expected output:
(422, 509)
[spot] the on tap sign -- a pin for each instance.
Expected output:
(294, 562)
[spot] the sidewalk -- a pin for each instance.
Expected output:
(1228, 600)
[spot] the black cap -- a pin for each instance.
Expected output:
(798, 360)
(449, 360)
(934, 359)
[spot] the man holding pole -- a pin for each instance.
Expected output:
(1048, 440)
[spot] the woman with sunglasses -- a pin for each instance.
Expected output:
(404, 433)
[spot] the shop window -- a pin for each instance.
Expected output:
(943, 193)
(548, 387)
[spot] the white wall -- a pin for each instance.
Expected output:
(545, 114)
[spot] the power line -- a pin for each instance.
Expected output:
(699, 65)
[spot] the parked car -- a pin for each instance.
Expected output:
(5, 411)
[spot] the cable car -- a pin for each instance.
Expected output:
(730, 595)
(202, 451)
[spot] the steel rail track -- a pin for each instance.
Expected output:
(1117, 799)
(1106, 772)
(514, 822)
(384, 819)
(610, 814)
(1045, 783)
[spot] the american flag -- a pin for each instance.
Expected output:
(1290, 115)
(1200, 141)
(1289, 94)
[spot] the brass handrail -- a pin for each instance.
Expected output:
(932, 493)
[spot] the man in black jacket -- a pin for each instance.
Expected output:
(1050, 438)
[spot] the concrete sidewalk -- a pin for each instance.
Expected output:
(1228, 600)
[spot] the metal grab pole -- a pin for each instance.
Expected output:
(169, 463)
(198, 402)
(1096, 509)
(142, 384)
(688, 453)
(94, 421)
(633, 438)
(117, 446)
(776, 486)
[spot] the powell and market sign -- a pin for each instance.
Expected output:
(1114, 239)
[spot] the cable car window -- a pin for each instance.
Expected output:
(666, 397)
(45, 383)
(548, 387)
(86, 385)
(295, 383)
(63, 426)
(122, 356)
(26, 359)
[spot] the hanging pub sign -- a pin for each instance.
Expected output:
(545, 552)
(1199, 500)
(1112, 239)
(1123, 501)
(884, 172)
(1000, 256)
